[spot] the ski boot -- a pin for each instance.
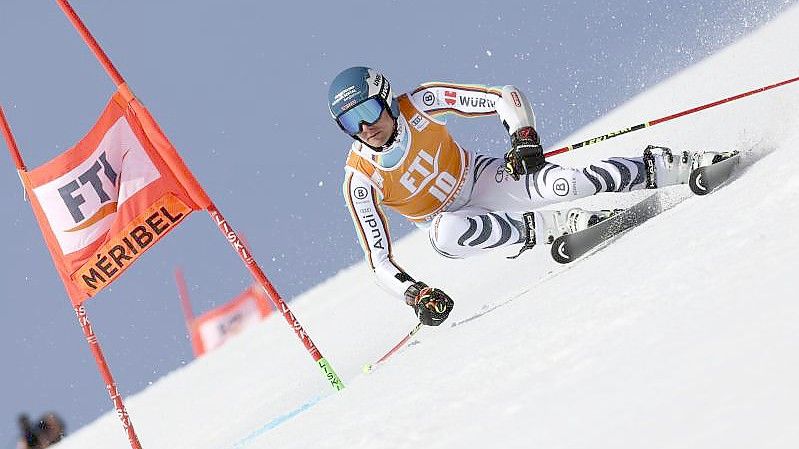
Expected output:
(551, 224)
(544, 226)
(663, 168)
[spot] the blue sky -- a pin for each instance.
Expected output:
(240, 89)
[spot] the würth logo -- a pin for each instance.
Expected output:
(450, 97)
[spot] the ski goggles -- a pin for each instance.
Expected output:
(366, 112)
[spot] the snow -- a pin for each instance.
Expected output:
(680, 334)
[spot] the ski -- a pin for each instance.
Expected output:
(369, 367)
(569, 247)
(704, 180)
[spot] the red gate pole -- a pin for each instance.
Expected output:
(11, 143)
(183, 293)
(91, 42)
(80, 311)
(188, 314)
(225, 228)
(110, 385)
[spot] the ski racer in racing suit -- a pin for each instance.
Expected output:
(403, 157)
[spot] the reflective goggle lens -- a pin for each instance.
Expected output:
(367, 112)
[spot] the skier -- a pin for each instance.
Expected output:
(403, 157)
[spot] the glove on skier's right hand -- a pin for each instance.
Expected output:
(432, 306)
(526, 155)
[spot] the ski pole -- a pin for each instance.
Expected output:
(613, 134)
(370, 366)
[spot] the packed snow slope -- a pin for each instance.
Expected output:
(681, 334)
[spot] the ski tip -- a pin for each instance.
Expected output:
(560, 251)
(706, 179)
(698, 183)
(367, 368)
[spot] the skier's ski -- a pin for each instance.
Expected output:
(569, 247)
(704, 180)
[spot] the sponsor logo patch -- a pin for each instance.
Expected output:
(500, 175)
(429, 98)
(345, 94)
(450, 97)
(476, 102)
(419, 122)
(560, 187)
(374, 231)
(516, 99)
(349, 105)
(424, 175)
(124, 248)
(81, 204)
(360, 193)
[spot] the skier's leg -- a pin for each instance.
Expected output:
(468, 232)
(498, 213)
(494, 189)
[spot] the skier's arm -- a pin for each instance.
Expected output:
(515, 113)
(438, 99)
(431, 305)
(372, 229)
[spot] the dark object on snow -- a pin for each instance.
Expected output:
(49, 429)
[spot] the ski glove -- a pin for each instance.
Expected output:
(526, 155)
(432, 306)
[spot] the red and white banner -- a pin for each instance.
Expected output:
(111, 197)
(215, 327)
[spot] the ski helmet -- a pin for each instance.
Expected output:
(358, 95)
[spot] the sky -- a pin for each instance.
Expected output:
(240, 89)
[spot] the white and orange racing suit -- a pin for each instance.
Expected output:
(468, 202)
